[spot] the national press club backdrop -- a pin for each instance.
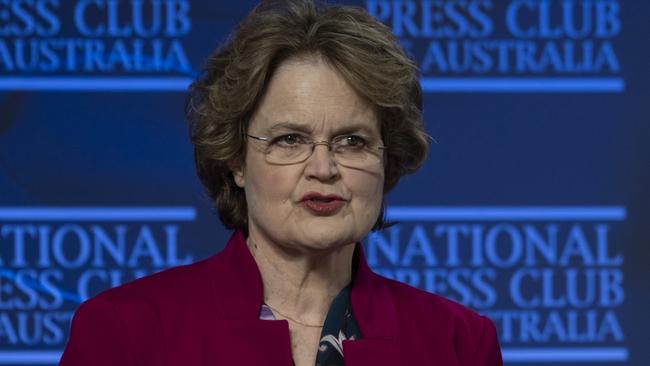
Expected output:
(533, 207)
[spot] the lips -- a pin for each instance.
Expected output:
(322, 205)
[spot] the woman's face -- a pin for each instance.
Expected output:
(308, 97)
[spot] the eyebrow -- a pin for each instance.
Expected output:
(348, 127)
(287, 125)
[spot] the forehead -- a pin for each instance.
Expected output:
(309, 93)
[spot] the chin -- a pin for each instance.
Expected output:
(328, 238)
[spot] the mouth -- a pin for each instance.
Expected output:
(322, 205)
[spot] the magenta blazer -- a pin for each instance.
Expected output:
(207, 314)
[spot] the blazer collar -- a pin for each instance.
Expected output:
(237, 281)
(239, 293)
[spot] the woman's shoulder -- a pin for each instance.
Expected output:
(166, 284)
(418, 304)
(125, 325)
(447, 325)
(155, 297)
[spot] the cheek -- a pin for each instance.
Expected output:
(268, 188)
(369, 187)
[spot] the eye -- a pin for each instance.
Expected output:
(289, 139)
(351, 141)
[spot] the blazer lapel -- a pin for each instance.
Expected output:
(244, 339)
(376, 352)
(237, 283)
(253, 342)
(374, 311)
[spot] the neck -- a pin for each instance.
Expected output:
(301, 284)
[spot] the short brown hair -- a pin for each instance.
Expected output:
(363, 50)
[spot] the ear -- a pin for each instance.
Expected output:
(238, 174)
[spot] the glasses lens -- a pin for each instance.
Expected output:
(358, 158)
(287, 154)
(353, 157)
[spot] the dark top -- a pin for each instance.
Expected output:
(339, 326)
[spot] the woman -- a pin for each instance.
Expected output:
(300, 124)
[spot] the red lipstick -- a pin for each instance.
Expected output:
(322, 205)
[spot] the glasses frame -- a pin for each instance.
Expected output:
(313, 144)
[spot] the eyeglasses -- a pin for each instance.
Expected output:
(352, 151)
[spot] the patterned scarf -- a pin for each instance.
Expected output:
(339, 326)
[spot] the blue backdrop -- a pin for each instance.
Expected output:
(533, 207)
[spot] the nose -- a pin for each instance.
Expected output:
(321, 164)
